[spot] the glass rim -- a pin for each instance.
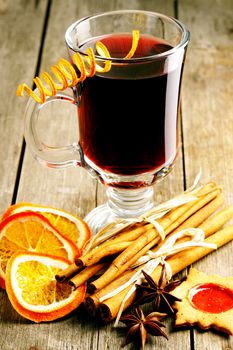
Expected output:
(182, 44)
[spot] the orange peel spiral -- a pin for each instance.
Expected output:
(65, 73)
(135, 40)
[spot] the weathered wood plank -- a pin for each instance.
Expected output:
(208, 122)
(21, 24)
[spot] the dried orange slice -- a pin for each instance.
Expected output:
(66, 223)
(30, 231)
(33, 290)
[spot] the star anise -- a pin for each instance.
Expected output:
(158, 294)
(138, 325)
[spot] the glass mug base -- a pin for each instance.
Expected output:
(120, 204)
(127, 202)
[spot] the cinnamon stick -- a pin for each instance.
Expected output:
(126, 258)
(172, 220)
(115, 245)
(130, 234)
(67, 273)
(92, 301)
(209, 226)
(108, 310)
(96, 254)
(202, 214)
(122, 259)
(122, 268)
(214, 223)
(109, 248)
(84, 275)
(112, 246)
(179, 215)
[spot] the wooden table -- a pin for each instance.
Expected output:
(32, 38)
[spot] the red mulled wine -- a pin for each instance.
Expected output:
(128, 116)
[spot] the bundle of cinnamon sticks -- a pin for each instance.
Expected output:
(107, 265)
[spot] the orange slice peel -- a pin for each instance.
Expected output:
(69, 225)
(30, 231)
(33, 290)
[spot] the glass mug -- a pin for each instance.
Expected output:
(128, 116)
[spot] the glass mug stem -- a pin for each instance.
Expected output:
(121, 204)
(125, 203)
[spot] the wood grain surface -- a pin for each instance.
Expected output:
(32, 38)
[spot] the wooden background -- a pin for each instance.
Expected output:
(32, 38)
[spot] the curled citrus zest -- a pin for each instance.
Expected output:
(90, 59)
(103, 51)
(135, 39)
(24, 87)
(79, 63)
(61, 77)
(48, 79)
(66, 75)
(40, 87)
(68, 70)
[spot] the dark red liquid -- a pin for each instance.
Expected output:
(128, 117)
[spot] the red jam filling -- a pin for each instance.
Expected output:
(211, 297)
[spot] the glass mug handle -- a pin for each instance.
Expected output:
(53, 157)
